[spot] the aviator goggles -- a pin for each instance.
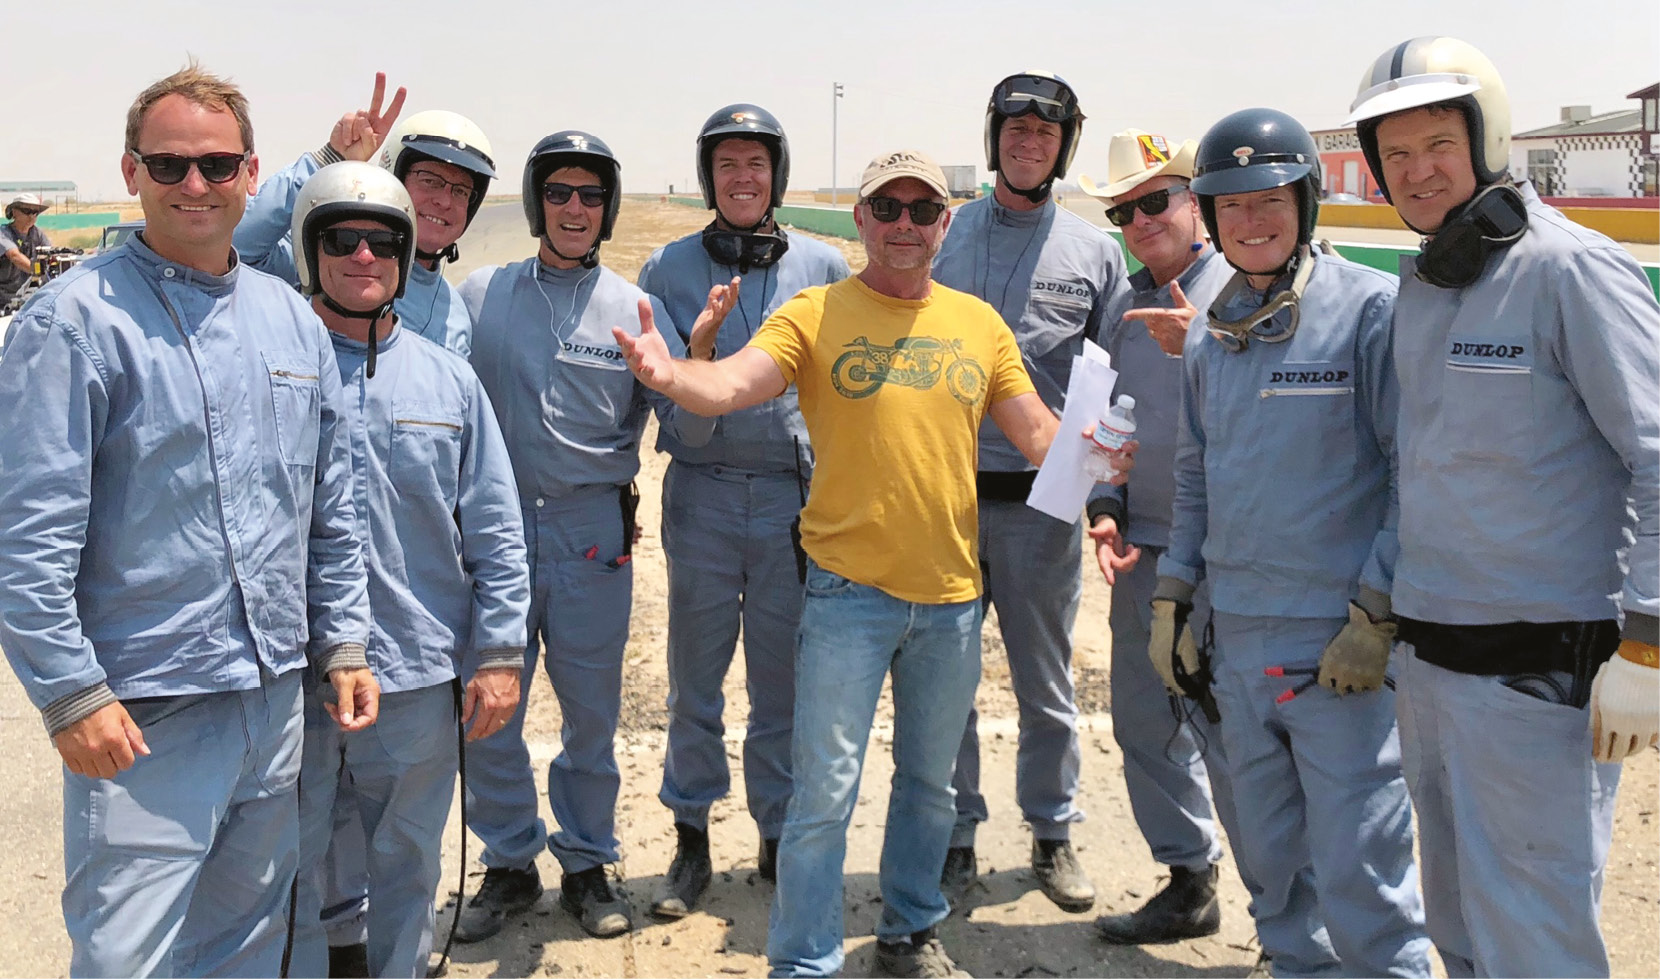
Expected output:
(341, 242)
(591, 196)
(170, 168)
(744, 250)
(1148, 204)
(887, 210)
(1050, 99)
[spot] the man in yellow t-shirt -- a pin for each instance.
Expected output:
(895, 373)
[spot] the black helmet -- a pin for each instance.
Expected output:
(746, 121)
(571, 148)
(1258, 149)
(1047, 95)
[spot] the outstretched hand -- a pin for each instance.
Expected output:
(647, 355)
(1168, 327)
(721, 300)
(359, 134)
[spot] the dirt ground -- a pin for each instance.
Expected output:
(1004, 928)
(1007, 928)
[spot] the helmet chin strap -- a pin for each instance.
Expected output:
(372, 315)
(1037, 195)
(449, 253)
(588, 260)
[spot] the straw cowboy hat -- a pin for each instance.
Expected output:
(1135, 157)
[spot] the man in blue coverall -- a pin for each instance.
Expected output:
(1285, 506)
(729, 505)
(1052, 276)
(572, 416)
(444, 162)
(177, 541)
(1528, 349)
(1172, 754)
(447, 574)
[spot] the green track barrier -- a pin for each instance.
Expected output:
(838, 223)
(66, 222)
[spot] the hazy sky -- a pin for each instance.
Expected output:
(644, 76)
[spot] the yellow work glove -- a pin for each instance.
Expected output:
(1356, 659)
(1625, 702)
(1164, 645)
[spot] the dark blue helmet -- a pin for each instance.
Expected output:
(1258, 149)
(571, 148)
(743, 120)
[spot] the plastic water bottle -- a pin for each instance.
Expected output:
(1113, 430)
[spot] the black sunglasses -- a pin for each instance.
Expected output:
(1148, 204)
(591, 196)
(887, 210)
(341, 242)
(170, 168)
(1051, 100)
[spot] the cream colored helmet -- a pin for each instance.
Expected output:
(1430, 71)
(447, 137)
(350, 191)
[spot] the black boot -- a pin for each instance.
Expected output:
(349, 961)
(1185, 908)
(767, 862)
(688, 875)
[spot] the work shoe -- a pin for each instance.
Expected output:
(349, 961)
(1185, 908)
(688, 875)
(959, 871)
(923, 957)
(588, 896)
(767, 862)
(1061, 876)
(505, 891)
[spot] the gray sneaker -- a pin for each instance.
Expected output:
(505, 891)
(588, 896)
(923, 957)
(1061, 876)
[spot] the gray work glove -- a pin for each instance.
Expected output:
(1164, 645)
(1356, 660)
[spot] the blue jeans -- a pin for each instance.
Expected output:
(851, 636)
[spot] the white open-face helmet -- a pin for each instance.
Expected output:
(447, 137)
(1433, 71)
(350, 191)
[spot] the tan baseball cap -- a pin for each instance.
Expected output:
(889, 167)
(1135, 157)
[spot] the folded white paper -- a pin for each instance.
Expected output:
(1063, 483)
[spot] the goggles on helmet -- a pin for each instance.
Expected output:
(1493, 220)
(744, 250)
(1236, 335)
(1049, 99)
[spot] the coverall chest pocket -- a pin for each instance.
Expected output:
(296, 399)
(1052, 320)
(426, 449)
(1313, 404)
(1487, 398)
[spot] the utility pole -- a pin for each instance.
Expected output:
(835, 104)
